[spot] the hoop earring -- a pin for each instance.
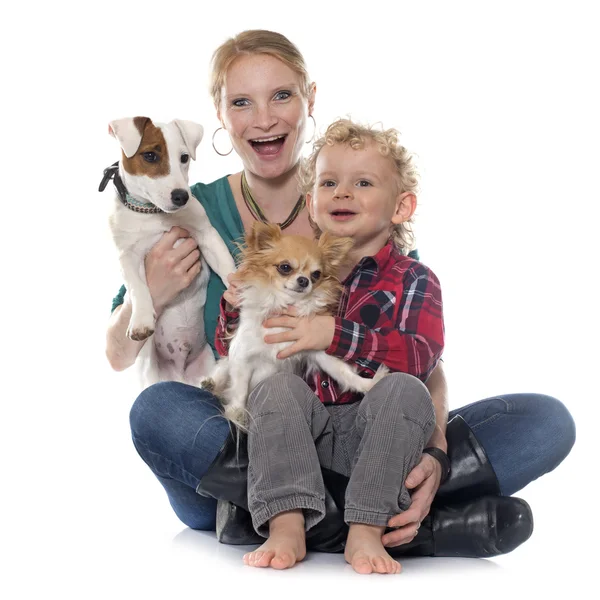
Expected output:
(314, 130)
(213, 144)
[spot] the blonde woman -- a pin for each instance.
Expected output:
(264, 100)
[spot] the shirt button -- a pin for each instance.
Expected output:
(324, 384)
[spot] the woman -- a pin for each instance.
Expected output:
(264, 101)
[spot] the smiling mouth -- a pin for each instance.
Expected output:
(268, 146)
(342, 215)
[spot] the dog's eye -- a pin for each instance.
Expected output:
(150, 157)
(185, 158)
(315, 275)
(284, 268)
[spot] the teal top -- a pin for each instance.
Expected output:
(218, 202)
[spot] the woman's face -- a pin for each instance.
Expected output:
(265, 113)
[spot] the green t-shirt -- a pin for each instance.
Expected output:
(218, 202)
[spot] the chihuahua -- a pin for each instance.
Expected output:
(275, 272)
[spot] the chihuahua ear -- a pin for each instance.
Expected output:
(335, 249)
(263, 236)
(128, 132)
(191, 133)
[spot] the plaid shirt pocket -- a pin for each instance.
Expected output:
(377, 309)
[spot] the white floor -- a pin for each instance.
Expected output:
(96, 524)
(125, 544)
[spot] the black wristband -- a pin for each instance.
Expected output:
(442, 458)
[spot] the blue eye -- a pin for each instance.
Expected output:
(282, 95)
(240, 102)
(328, 183)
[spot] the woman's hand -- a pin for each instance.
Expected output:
(308, 333)
(232, 293)
(424, 479)
(170, 270)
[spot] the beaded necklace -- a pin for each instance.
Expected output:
(256, 211)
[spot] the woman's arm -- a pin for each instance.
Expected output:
(168, 271)
(120, 350)
(438, 389)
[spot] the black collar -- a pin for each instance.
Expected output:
(112, 172)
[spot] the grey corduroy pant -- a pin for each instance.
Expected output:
(376, 442)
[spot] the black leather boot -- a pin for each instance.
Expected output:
(471, 474)
(467, 518)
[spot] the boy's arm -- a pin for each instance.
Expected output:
(228, 320)
(414, 344)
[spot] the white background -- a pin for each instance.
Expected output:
(500, 102)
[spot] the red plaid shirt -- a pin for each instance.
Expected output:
(390, 312)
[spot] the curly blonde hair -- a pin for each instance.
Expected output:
(345, 131)
(251, 42)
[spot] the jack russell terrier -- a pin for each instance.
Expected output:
(153, 195)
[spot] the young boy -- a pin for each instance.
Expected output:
(359, 183)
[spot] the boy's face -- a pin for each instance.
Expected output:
(357, 194)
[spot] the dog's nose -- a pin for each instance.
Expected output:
(179, 197)
(303, 282)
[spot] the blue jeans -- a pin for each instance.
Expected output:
(178, 431)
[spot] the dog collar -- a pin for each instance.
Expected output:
(126, 198)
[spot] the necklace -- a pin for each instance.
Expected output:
(257, 213)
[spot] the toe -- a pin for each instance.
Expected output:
(379, 564)
(283, 561)
(265, 559)
(390, 565)
(362, 565)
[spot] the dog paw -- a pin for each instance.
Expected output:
(238, 415)
(367, 384)
(380, 373)
(141, 325)
(208, 384)
(139, 334)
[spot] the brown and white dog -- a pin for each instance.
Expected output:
(153, 195)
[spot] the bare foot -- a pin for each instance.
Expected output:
(286, 544)
(365, 552)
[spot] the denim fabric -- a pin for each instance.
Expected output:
(524, 435)
(178, 431)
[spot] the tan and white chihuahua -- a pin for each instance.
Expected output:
(277, 271)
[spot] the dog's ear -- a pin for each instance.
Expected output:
(191, 133)
(128, 132)
(263, 236)
(335, 250)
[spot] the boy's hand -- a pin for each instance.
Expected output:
(425, 480)
(308, 333)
